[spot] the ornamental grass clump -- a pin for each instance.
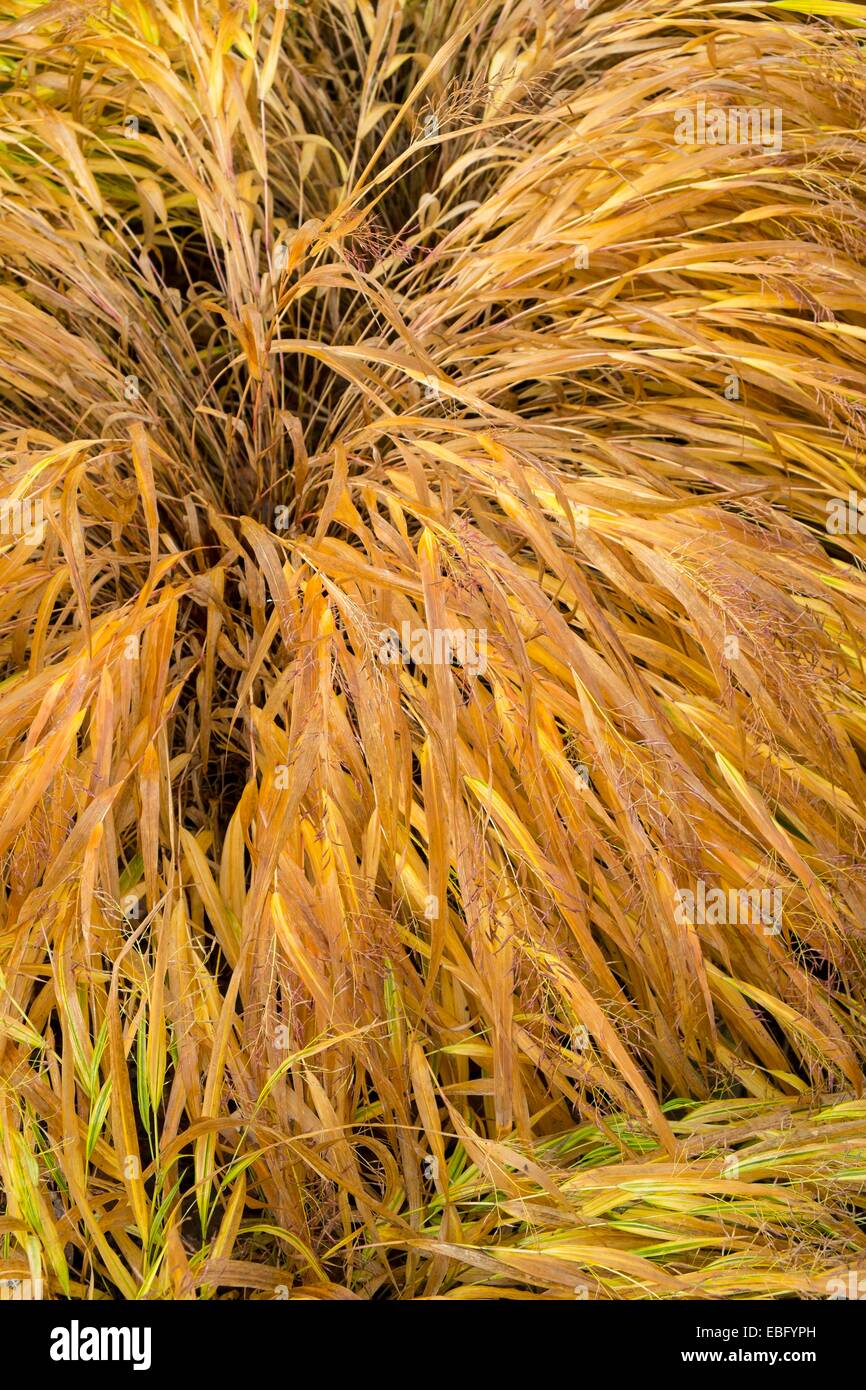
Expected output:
(433, 705)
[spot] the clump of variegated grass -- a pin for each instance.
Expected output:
(328, 976)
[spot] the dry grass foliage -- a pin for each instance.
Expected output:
(324, 976)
